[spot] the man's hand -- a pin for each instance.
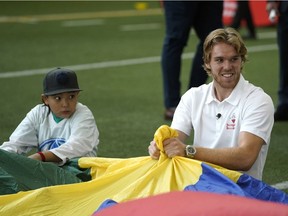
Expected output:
(153, 150)
(174, 147)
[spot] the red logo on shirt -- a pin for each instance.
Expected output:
(231, 123)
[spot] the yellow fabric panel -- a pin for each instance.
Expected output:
(165, 132)
(135, 180)
(117, 179)
(233, 175)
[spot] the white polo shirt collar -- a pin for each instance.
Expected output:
(234, 97)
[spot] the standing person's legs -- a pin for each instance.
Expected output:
(281, 113)
(178, 27)
(249, 20)
(209, 18)
(236, 22)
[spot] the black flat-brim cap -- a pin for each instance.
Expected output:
(60, 80)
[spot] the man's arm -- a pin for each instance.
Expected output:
(239, 158)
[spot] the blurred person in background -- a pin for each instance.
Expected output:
(281, 10)
(243, 13)
(180, 17)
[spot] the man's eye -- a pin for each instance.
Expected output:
(235, 59)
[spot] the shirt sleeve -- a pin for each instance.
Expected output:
(24, 137)
(182, 120)
(189, 109)
(258, 115)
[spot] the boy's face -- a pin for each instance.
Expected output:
(63, 105)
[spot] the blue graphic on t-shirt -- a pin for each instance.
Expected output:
(51, 144)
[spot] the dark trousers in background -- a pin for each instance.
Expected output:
(282, 39)
(243, 12)
(181, 16)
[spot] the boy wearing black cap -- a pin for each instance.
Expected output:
(61, 129)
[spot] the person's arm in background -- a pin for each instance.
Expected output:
(270, 6)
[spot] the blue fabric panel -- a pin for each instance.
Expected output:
(213, 181)
(258, 189)
(107, 203)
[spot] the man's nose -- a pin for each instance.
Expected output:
(227, 65)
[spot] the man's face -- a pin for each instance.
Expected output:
(62, 105)
(225, 65)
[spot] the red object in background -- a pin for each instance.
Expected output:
(187, 203)
(258, 10)
(230, 7)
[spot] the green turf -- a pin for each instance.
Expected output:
(126, 100)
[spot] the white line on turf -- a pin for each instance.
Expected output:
(267, 35)
(118, 63)
(79, 23)
(281, 185)
(80, 15)
(141, 27)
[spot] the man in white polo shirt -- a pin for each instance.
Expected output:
(231, 118)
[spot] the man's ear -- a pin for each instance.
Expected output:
(207, 66)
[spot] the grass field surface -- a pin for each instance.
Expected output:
(115, 49)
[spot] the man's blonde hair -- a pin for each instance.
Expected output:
(227, 35)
